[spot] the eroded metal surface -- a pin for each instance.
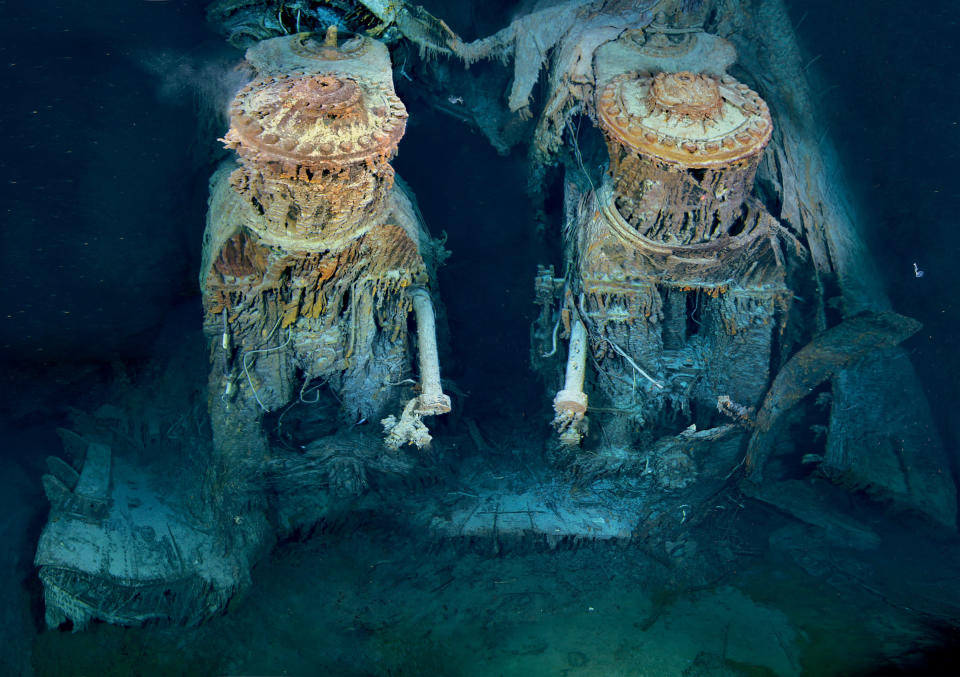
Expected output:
(670, 338)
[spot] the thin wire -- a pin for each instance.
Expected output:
(575, 134)
(246, 366)
(556, 326)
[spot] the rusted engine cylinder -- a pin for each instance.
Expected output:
(312, 247)
(314, 153)
(684, 149)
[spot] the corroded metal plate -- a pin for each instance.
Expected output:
(323, 121)
(689, 119)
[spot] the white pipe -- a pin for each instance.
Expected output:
(432, 400)
(572, 399)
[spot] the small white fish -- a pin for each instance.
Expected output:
(455, 99)
(916, 270)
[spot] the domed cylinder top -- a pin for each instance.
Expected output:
(314, 153)
(684, 150)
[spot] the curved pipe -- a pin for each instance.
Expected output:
(432, 400)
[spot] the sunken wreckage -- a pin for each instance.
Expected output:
(672, 344)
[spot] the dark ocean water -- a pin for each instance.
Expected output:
(108, 147)
(883, 68)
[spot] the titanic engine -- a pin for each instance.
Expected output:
(673, 266)
(315, 267)
(711, 295)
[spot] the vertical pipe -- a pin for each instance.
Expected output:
(572, 399)
(432, 400)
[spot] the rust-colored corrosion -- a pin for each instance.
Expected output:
(684, 149)
(315, 122)
(674, 269)
(692, 120)
(314, 153)
(247, 276)
(311, 249)
(685, 95)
